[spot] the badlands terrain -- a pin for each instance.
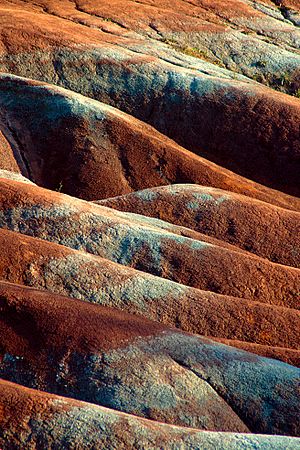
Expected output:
(149, 224)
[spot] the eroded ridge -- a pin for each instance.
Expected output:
(149, 224)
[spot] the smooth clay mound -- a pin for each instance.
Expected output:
(149, 224)
(146, 244)
(256, 394)
(44, 422)
(93, 151)
(236, 219)
(103, 256)
(230, 119)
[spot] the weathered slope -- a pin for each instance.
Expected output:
(153, 60)
(7, 160)
(79, 424)
(243, 36)
(90, 150)
(146, 244)
(193, 102)
(16, 176)
(226, 216)
(33, 262)
(165, 366)
(288, 355)
(247, 37)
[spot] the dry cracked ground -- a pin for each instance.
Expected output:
(149, 224)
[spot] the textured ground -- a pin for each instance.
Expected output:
(99, 427)
(149, 224)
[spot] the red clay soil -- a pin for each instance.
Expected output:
(34, 414)
(33, 333)
(229, 217)
(189, 262)
(7, 158)
(173, 16)
(239, 125)
(91, 159)
(290, 4)
(44, 417)
(44, 265)
(35, 320)
(14, 196)
(288, 355)
(43, 420)
(165, 284)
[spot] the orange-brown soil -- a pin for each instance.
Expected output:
(149, 224)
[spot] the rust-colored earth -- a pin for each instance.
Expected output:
(149, 224)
